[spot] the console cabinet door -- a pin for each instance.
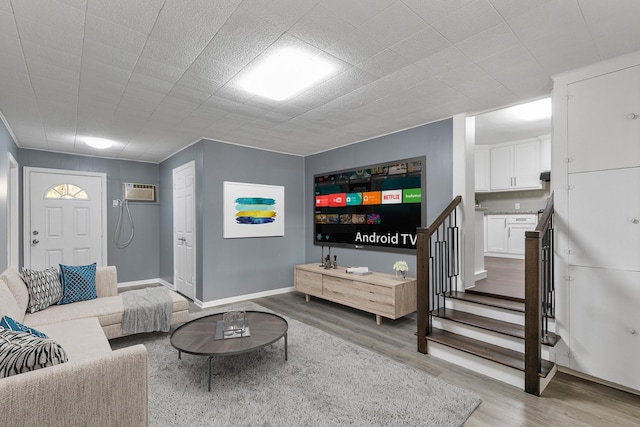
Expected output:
(604, 121)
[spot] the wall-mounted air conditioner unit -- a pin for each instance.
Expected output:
(139, 192)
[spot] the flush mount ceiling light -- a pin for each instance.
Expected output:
(99, 143)
(533, 110)
(286, 73)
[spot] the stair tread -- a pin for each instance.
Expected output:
(494, 353)
(487, 300)
(487, 323)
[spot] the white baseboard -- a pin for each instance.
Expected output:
(241, 298)
(125, 285)
(167, 284)
(481, 275)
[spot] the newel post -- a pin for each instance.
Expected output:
(533, 313)
(422, 258)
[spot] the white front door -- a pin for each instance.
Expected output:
(184, 220)
(64, 218)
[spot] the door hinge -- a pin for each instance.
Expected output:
(568, 278)
(568, 251)
(568, 187)
(568, 160)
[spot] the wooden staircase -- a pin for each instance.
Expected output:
(508, 339)
(486, 334)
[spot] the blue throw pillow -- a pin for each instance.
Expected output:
(12, 325)
(78, 283)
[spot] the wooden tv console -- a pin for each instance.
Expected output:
(381, 294)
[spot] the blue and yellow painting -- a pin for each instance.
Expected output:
(255, 210)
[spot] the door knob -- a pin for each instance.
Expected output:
(633, 220)
(35, 232)
(632, 116)
(35, 241)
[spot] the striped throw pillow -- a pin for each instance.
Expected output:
(22, 352)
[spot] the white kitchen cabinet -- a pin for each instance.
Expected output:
(515, 166)
(517, 226)
(604, 121)
(497, 233)
(483, 171)
(545, 153)
(506, 233)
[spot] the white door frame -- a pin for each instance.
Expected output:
(192, 165)
(13, 213)
(27, 206)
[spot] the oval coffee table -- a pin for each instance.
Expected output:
(198, 336)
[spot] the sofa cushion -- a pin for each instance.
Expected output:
(22, 352)
(8, 304)
(82, 339)
(8, 323)
(44, 287)
(78, 283)
(108, 311)
(18, 288)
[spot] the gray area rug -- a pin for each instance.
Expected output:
(327, 381)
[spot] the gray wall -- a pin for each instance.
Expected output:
(232, 267)
(140, 260)
(6, 146)
(434, 140)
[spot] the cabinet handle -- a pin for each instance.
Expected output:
(632, 331)
(632, 116)
(633, 220)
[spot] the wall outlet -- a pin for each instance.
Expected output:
(517, 206)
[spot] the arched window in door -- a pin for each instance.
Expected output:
(66, 191)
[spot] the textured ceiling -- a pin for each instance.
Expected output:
(157, 75)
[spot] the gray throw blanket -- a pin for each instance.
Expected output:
(147, 310)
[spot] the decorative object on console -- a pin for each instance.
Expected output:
(401, 268)
(78, 283)
(44, 288)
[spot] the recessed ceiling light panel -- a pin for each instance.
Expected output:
(99, 143)
(286, 73)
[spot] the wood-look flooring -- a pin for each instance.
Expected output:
(567, 401)
(505, 276)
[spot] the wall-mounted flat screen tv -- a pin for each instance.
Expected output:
(374, 207)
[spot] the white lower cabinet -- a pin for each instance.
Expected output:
(605, 324)
(497, 233)
(506, 233)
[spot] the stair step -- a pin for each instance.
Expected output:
(487, 300)
(488, 294)
(487, 323)
(494, 353)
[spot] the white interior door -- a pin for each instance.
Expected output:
(65, 218)
(184, 220)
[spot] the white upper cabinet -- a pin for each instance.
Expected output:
(515, 166)
(483, 176)
(604, 121)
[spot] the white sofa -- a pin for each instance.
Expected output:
(96, 386)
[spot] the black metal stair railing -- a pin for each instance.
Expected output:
(438, 262)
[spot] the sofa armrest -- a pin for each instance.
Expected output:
(106, 281)
(106, 391)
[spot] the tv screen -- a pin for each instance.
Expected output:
(374, 207)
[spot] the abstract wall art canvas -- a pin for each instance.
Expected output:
(252, 210)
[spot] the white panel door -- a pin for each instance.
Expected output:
(604, 219)
(604, 121)
(65, 213)
(184, 203)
